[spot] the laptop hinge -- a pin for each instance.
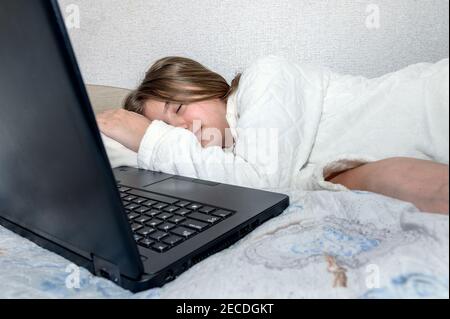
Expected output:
(106, 269)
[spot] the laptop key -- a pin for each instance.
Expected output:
(158, 235)
(206, 209)
(130, 198)
(132, 216)
(154, 223)
(170, 209)
(183, 212)
(172, 240)
(177, 219)
(146, 242)
(160, 206)
(123, 189)
(153, 212)
(155, 197)
(142, 220)
(142, 210)
(137, 237)
(166, 227)
(139, 200)
(145, 231)
(183, 232)
(183, 204)
(160, 247)
(194, 206)
(164, 216)
(136, 227)
(222, 213)
(197, 225)
(204, 218)
(149, 203)
(132, 206)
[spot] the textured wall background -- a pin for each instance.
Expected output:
(119, 39)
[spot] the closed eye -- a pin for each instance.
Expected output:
(167, 107)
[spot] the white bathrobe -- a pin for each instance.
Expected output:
(294, 125)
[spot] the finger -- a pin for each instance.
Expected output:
(102, 117)
(103, 126)
(109, 111)
(100, 126)
(106, 114)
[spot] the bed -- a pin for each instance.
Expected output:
(325, 245)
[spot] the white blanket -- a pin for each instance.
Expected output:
(385, 247)
(296, 124)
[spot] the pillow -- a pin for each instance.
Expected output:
(118, 154)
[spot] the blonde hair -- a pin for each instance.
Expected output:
(179, 80)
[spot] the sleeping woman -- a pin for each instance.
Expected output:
(282, 125)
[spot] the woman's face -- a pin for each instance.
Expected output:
(206, 119)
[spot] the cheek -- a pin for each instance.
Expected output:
(153, 115)
(194, 114)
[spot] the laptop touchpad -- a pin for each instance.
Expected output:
(138, 178)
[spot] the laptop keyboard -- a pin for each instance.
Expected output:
(160, 223)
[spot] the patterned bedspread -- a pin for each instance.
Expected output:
(325, 245)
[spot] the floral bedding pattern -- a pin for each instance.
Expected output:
(325, 245)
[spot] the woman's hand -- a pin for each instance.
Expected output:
(127, 128)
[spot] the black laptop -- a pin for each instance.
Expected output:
(138, 228)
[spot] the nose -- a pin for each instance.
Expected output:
(182, 124)
(178, 122)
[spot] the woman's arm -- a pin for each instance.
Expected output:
(423, 183)
(127, 128)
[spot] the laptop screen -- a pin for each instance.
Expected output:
(55, 178)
